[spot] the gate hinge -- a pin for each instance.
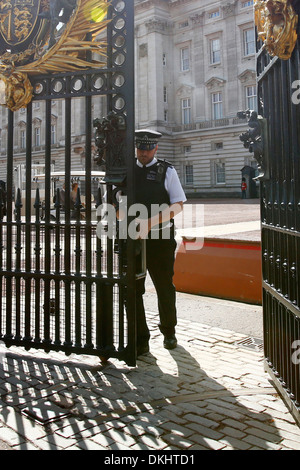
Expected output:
(110, 142)
(256, 140)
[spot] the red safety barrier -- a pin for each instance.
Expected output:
(229, 269)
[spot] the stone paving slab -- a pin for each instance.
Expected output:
(210, 393)
(214, 218)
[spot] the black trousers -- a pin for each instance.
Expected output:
(160, 265)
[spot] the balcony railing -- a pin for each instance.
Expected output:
(213, 123)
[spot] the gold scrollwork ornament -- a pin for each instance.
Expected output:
(15, 90)
(276, 23)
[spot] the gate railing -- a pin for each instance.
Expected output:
(62, 286)
(280, 203)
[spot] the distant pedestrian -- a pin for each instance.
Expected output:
(244, 188)
(62, 197)
(73, 195)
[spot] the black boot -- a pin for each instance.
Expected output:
(170, 341)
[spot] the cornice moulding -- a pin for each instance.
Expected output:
(247, 75)
(158, 25)
(215, 82)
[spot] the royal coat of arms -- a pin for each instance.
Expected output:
(45, 36)
(21, 23)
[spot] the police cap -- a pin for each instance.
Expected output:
(146, 139)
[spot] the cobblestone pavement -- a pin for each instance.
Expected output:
(210, 393)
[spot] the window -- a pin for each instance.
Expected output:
(183, 24)
(214, 14)
(164, 59)
(165, 115)
(216, 145)
(187, 150)
(215, 51)
(186, 111)
(22, 138)
(249, 42)
(189, 174)
(37, 136)
(185, 59)
(217, 107)
(251, 97)
(165, 95)
(53, 134)
(220, 172)
(247, 4)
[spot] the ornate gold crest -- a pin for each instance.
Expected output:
(276, 23)
(44, 36)
(16, 90)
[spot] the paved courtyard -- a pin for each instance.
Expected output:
(210, 393)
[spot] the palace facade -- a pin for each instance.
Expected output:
(194, 70)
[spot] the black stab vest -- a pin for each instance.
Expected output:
(150, 186)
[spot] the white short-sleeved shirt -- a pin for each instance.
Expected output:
(172, 183)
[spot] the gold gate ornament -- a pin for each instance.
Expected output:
(15, 90)
(276, 23)
(47, 36)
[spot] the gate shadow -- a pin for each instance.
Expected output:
(84, 405)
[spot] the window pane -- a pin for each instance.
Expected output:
(220, 173)
(185, 59)
(249, 42)
(217, 106)
(246, 4)
(251, 100)
(165, 95)
(214, 14)
(186, 111)
(53, 134)
(37, 137)
(189, 174)
(215, 55)
(23, 139)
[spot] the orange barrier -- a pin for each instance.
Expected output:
(229, 269)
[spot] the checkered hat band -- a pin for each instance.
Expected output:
(145, 145)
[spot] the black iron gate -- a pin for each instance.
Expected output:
(278, 82)
(66, 285)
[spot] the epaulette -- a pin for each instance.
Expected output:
(165, 162)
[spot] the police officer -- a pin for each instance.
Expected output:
(159, 190)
